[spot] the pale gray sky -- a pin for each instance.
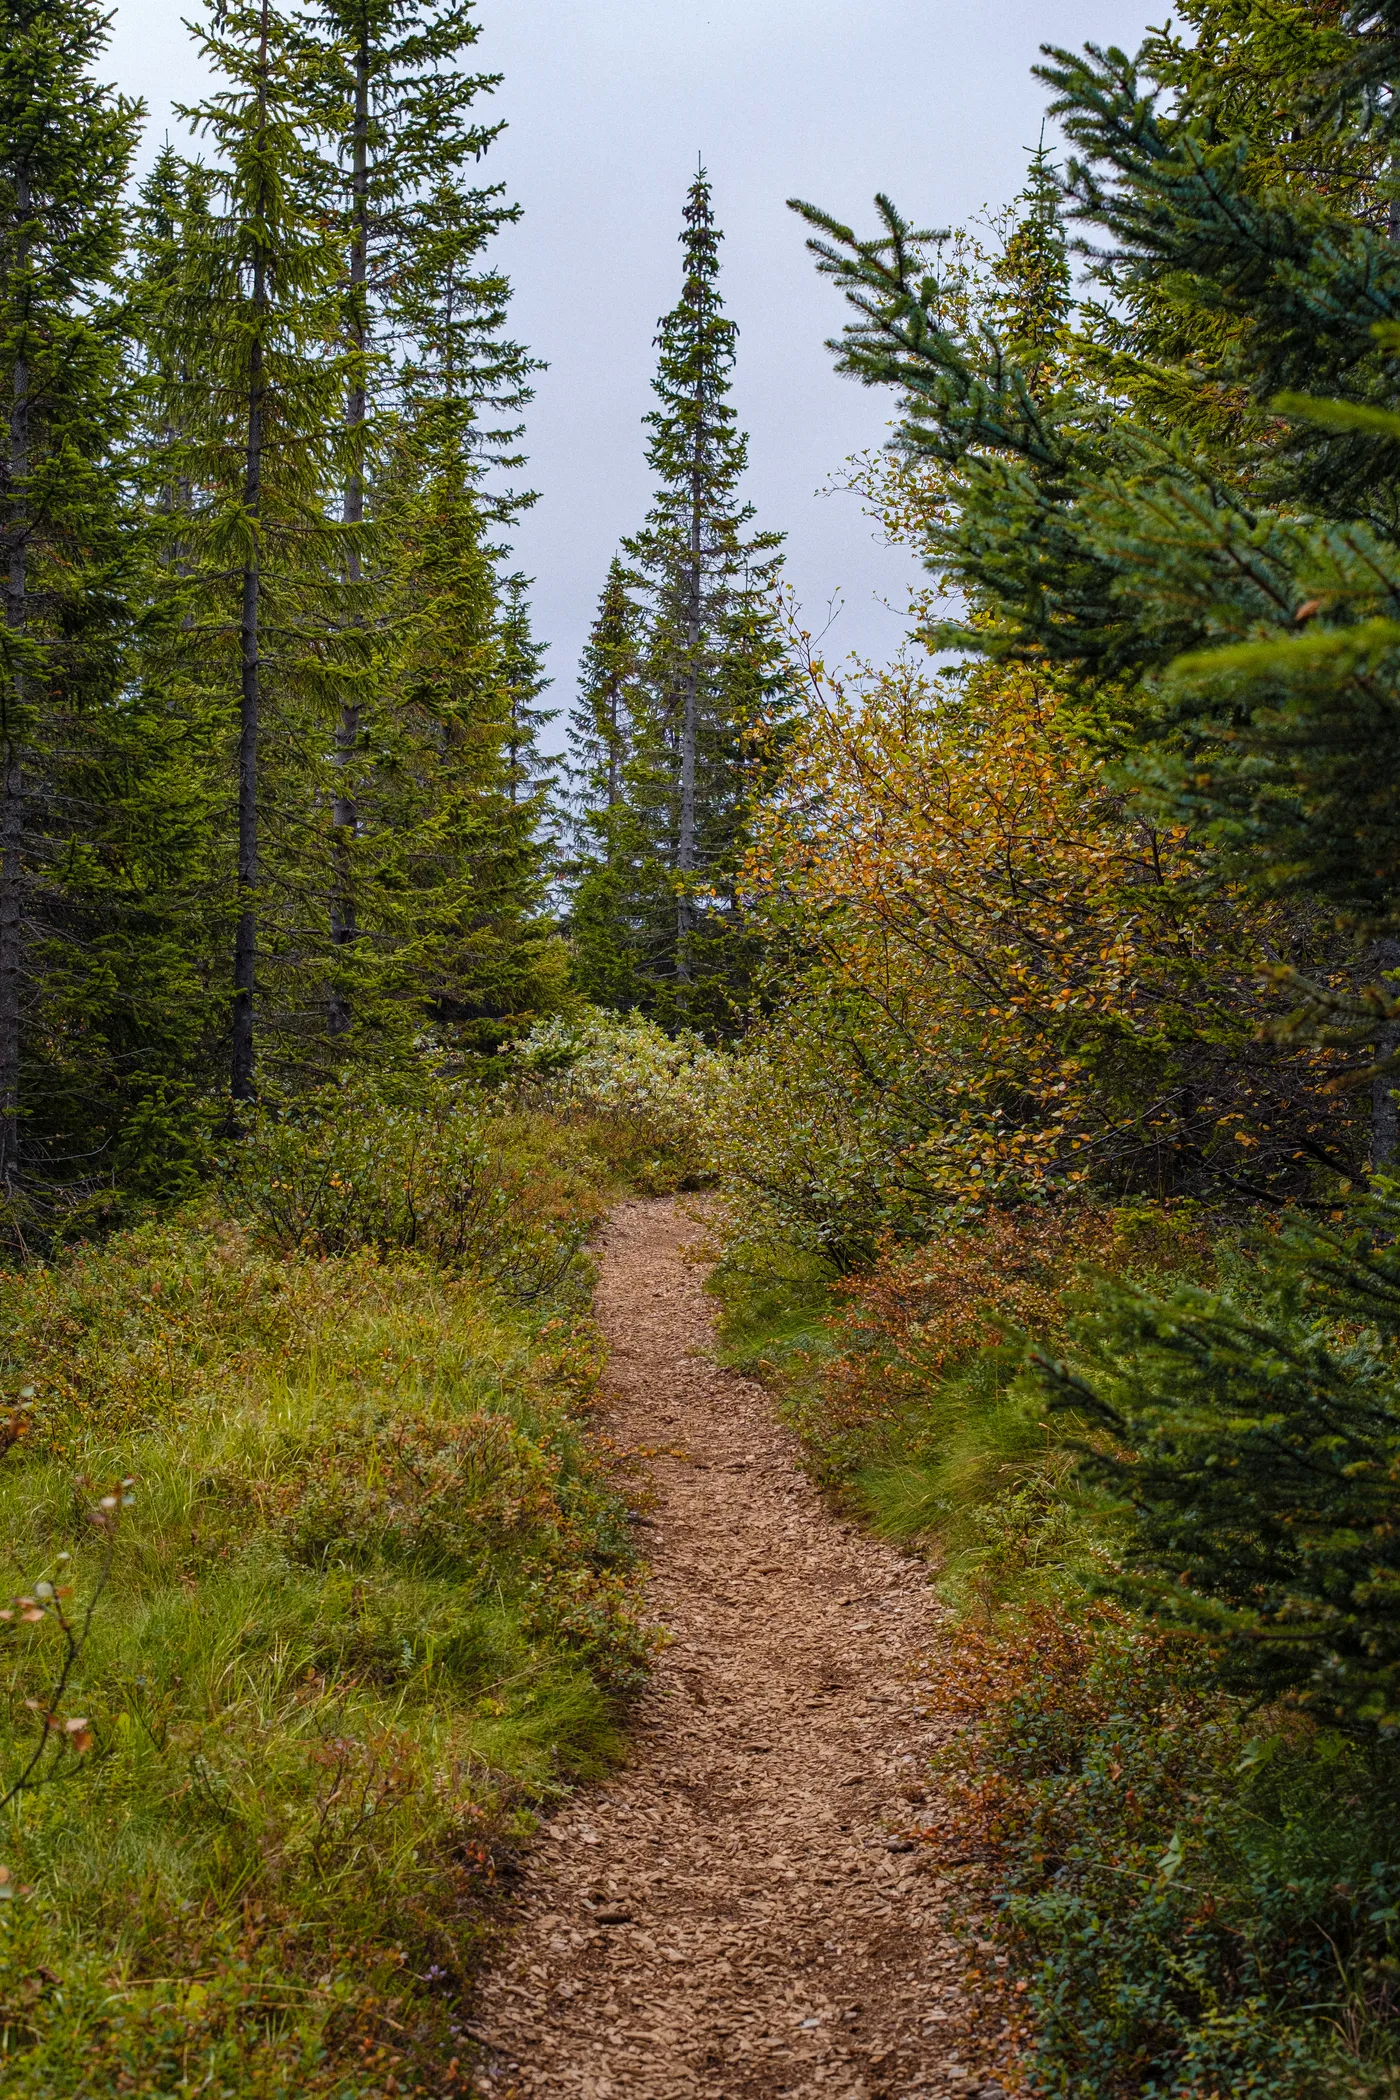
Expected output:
(608, 104)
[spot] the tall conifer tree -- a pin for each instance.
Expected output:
(243, 337)
(65, 147)
(600, 725)
(601, 846)
(452, 432)
(529, 775)
(423, 328)
(709, 682)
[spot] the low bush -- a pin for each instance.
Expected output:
(443, 1174)
(373, 1596)
(1254, 1449)
(646, 1101)
(822, 1145)
(1201, 1899)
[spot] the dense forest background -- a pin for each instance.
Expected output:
(1029, 1004)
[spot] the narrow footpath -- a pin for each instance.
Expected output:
(740, 1911)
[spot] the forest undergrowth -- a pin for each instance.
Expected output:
(1197, 1889)
(1031, 999)
(319, 1591)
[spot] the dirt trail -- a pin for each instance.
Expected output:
(737, 1913)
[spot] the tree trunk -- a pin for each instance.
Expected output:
(614, 721)
(249, 721)
(12, 741)
(1385, 1125)
(245, 945)
(515, 744)
(345, 815)
(11, 953)
(686, 855)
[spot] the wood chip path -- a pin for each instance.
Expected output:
(737, 1913)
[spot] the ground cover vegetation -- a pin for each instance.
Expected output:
(318, 1587)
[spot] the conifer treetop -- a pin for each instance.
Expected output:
(70, 141)
(420, 127)
(696, 449)
(694, 429)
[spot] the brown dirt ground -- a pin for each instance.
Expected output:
(739, 1912)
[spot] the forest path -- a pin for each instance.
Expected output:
(736, 1913)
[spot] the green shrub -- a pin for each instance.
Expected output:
(1203, 1901)
(439, 1174)
(1254, 1450)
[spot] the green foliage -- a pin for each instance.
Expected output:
(1179, 501)
(448, 859)
(82, 771)
(1257, 1448)
(683, 692)
(373, 1596)
(268, 684)
(1202, 1902)
(774, 1307)
(1117, 543)
(436, 1173)
(1033, 300)
(907, 1383)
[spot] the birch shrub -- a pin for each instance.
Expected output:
(651, 1101)
(994, 978)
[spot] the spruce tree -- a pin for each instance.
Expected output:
(1033, 300)
(529, 775)
(600, 820)
(1202, 524)
(65, 147)
(396, 109)
(600, 725)
(243, 343)
(451, 850)
(482, 955)
(709, 683)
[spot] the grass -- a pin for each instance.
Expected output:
(952, 1461)
(775, 1308)
(372, 1602)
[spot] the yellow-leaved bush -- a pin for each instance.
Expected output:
(993, 977)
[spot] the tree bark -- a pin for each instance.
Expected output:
(686, 855)
(249, 723)
(1385, 1123)
(12, 740)
(614, 720)
(345, 815)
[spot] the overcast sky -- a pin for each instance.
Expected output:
(608, 103)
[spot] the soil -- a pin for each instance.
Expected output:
(746, 1908)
